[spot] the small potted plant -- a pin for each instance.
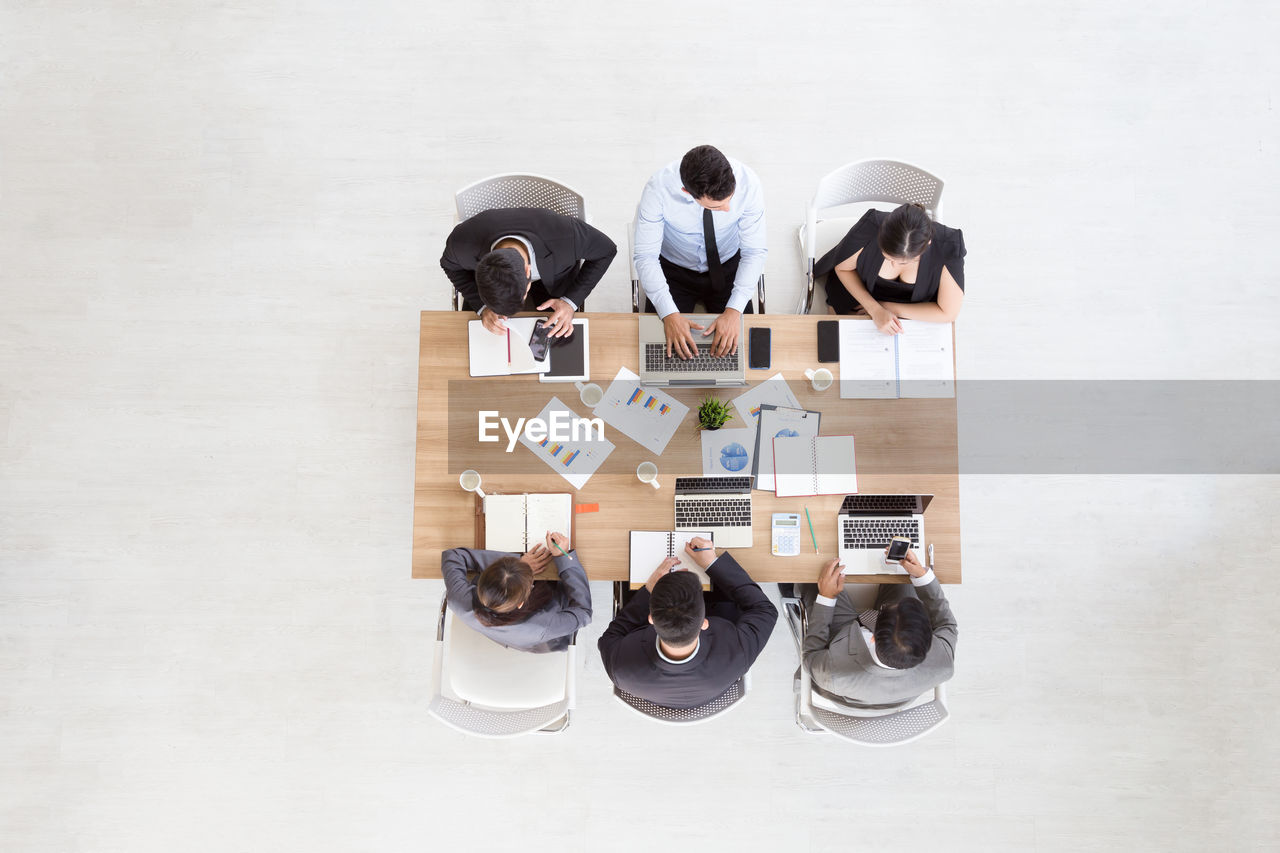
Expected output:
(713, 413)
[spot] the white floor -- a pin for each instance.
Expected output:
(217, 225)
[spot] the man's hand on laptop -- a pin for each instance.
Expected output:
(726, 328)
(831, 579)
(671, 564)
(494, 322)
(678, 335)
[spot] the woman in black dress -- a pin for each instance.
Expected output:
(896, 264)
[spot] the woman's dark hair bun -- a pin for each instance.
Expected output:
(905, 232)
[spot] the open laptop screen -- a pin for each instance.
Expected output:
(884, 504)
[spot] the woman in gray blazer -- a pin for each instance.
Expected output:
(497, 594)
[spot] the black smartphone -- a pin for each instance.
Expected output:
(759, 352)
(828, 341)
(898, 548)
(538, 341)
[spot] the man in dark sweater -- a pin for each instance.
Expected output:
(679, 648)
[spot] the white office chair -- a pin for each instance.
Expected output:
(816, 714)
(637, 295)
(680, 716)
(482, 688)
(844, 195)
(516, 190)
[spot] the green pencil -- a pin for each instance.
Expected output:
(558, 548)
(811, 536)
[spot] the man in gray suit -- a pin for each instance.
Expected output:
(910, 650)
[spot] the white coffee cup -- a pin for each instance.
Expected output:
(589, 393)
(470, 480)
(821, 378)
(648, 473)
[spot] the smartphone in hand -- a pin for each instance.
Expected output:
(538, 340)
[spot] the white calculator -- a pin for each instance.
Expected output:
(786, 534)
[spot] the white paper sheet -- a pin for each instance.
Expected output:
(727, 452)
(576, 461)
(868, 361)
(925, 364)
(775, 391)
(647, 416)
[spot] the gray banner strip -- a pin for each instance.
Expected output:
(1119, 427)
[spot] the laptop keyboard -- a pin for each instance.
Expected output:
(713, 484)
(713, 512)
(876, 532)
(655, 359)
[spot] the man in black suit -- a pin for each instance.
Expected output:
(680, 649)
(525, 258)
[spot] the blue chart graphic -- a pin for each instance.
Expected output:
(785, 433)
(733, 457)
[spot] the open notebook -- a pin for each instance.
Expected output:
(651, 547)
(822, 465)
(503, 355)
(917, 363)
(516, 523)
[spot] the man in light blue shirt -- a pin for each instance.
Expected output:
(700, 235)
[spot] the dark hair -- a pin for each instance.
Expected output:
(677, 608)
(905, 232)
(903, 633)
(502, 281)
(502, 587)
(706, 173)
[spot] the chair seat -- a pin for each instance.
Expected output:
(819, 701)
(491, 675)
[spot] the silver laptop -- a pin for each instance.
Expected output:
(702, 371)
(868, 522)
(721, 505)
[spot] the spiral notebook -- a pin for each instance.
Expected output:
(651, 547)
(516, 523)
(822, 465)
(777, 422)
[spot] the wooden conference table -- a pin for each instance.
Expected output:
(902, 447)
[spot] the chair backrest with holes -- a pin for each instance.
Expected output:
(501, 191)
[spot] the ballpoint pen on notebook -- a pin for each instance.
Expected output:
(811, 536)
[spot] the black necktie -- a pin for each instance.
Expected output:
(713, 254)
